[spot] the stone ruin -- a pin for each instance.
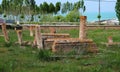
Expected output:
(67, 44)
(60, 43)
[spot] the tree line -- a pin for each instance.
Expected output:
(117, 9)
(22, 8)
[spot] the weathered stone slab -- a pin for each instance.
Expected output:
(66, 45)
(73, 45)
(56, 35)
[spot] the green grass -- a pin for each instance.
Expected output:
(15, 58)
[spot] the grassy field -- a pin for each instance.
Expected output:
(15, 58)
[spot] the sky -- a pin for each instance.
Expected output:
(91, 6)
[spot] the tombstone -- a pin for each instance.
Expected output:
(38, 37)
(5, 32)
(82, 32)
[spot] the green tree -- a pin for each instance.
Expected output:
(31, 5)
(51, 8)
(66, 7)
(117, 9)
(57, 7)
(5, 6)
(77, 5)
(41, 8)
(1, 10)
(17, 7)
(37, 9)
(45, 7)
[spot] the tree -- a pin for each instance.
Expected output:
(41, 8)
(66, 7)
(16, 7)
(32, 7)
(37, 9)
(45, 7)
(77, 5)
(5, 6)
(57, 7)
(51, 8)
(1, 10)
(117, 9)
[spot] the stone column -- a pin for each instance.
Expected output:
(5, 32)
(18, 30)
(38, 37)
(19, 34)
(110, 40)
(31, 30)
(82, 32)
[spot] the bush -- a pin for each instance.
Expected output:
(59, 18)
(47, 18)
(44, 55)
(73, 16)
(8, 44)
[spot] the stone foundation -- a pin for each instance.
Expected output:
(71, 45)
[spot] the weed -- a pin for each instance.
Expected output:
(44, 55)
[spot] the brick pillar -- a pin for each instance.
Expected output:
(82, 32)
(31, 30)
(38, 37)
(5, 32)
(110, 40)
(19, 34)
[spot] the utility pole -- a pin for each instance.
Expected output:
(99, 15)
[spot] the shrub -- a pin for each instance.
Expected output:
(44, 55)
(47, 18)
(59, 18)
(7, 44)
(73, 16)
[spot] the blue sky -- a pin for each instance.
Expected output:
(91, 6)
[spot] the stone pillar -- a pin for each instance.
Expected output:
(18, 30)
(31, 30)
(82, 32)
(5, 32)
(110, 40)
(19, 34)
(38, 37)
(53, 46)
